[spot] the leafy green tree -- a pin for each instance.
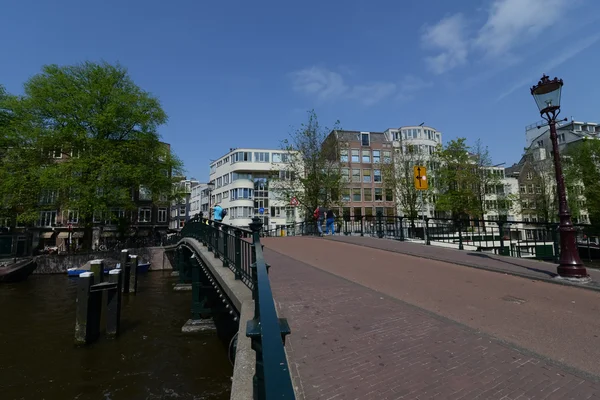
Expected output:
(96, 133)
(582, 168)
(311, 173)
(456, 180)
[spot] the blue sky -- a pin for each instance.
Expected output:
(241, 74)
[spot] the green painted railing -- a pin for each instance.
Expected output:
(241, 251)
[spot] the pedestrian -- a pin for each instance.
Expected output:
(330, 218)
(319, 215)
(218, 213)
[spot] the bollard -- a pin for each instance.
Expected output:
(125, 267)
(133, 274)
(87, 314)
(97, 267)
(113, 304)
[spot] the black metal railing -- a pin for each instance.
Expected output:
(241, 251)
(532, 239)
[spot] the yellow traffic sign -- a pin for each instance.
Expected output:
(420, 174)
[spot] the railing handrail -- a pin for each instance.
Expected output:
(278, 381)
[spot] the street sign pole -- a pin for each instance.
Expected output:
(423, 217)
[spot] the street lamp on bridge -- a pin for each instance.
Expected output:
(210, 186)
(547, 97)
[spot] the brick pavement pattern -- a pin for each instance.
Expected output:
(351, 342)
(512, 265)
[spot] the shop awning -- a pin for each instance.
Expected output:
(63, 235)
(77, 235)
(46, 235)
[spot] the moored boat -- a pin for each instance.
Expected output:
(18, 270)
(84, 268)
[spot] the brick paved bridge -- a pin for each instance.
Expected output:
(380, 319)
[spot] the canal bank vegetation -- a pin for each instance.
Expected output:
(82, 139)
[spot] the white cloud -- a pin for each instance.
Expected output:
(320, 82)
(511, 22)
(449, 36)
(328, 85)
(557, 60)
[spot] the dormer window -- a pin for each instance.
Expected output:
(365, 139)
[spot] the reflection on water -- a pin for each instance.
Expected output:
(151, 359)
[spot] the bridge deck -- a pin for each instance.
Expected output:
(374, 324)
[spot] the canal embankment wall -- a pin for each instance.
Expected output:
(59, 263)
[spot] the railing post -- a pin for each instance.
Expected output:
(238, 254)
(555, 236)
(401, 230)
(209, 235)
(460, 239)
(426, 227)
(255, 227)
(217, 231)
(501, 230)
(362, 229)
(380, 224)
(225, 246)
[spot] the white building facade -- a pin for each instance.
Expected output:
(243, 186)
(423, 140)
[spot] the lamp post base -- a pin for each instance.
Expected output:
(572, 272)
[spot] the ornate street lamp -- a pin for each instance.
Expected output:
(547, 96)
(210, 186)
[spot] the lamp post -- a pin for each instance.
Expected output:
(210, 186)
(547, 97)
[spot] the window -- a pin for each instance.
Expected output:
(144, 214)
(145, 194)
(225, 179)
(356, 194)
(241, 193)
(387, 156)
(344, 155)
(355, 156)
(530, 189)
(181, 223)
(70, 217)
(366, 156)
(345, 194)
(523, 189)
(376, 156)
(538, 189)
(561, 138)
(241, 156)
(389, 196)
(368, 194)
(280, 157)
(378, 194)
(529, 175)
(345, 174)
(219, 197)
(356, 175)
(235, 176)
(47, 218)
(366, 175)
(377, 175)
(48, 196)
(162, 215)
(540, 143)
(390, 211)
(182, 211)
(287, 175)
(213, 169)
(261, 156)
(365, 139)
(277, 212)
(57, 153)
(225, 194)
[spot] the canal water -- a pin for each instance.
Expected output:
(151, 359)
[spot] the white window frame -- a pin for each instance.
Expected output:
(144, 210)
(162, 214)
